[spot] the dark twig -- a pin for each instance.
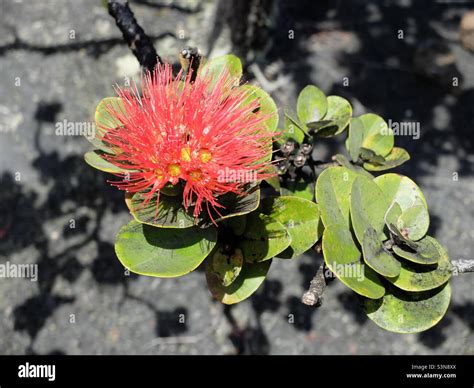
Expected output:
(139, 42)
(314, 295)
(462, 266)
(317, 286)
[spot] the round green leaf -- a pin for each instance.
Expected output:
(311, 105)
(339, 113)
(169, 213)
(333, 189)
(376, 257)
(378, 137)
(300, 189)
(300, 217)
(404, 312)
(391, 216)
(266, 107)
(342, 160)
(368, 207)
(216, 66)
(416, 277)
(355, 138)
(248, 281)
(104, 121)
(400, 189)
(317, 126)
(414, 221)
(236, 205)
(226, 267)
(343, 258)
(395, 158)
(400, 237)
(264, 238)
(95, 159)
(427, 251)
(371, 157)
(292, 130)
(161, 252)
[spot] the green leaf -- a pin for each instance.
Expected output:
(416, 277)
(226, 267)
(274, 181)
(237, 205)
(355, 138)
(400, 189)
(403, 312)
(267, 106)
(391, 216)
(311, 105)
(216, 66)
(266, 109)
(169, 213)
(371, 157)
(293, 130)
(414, 221)
(263, 238)
(339, 112)
(401, 238)
(342, 160)
(316, 126)
(368, 207)
(333, 189)
(395, 158)
(395, 232)
(391, 220)
(300, 189)
(300, 217)
(343, 258)
(95, 159)
(428, 251)
(378, 137)
(376, 257)
(248, 281)
(161, 252)
(104, 121)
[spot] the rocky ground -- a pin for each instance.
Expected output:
(58, 58)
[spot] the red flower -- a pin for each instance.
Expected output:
(204, 136)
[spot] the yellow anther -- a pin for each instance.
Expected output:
(174, 170)
(195, 175)
(186, 154)
(205, 156)
(159, 173)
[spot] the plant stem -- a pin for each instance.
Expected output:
(139, 42)
(462, 266)
(314, 295)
